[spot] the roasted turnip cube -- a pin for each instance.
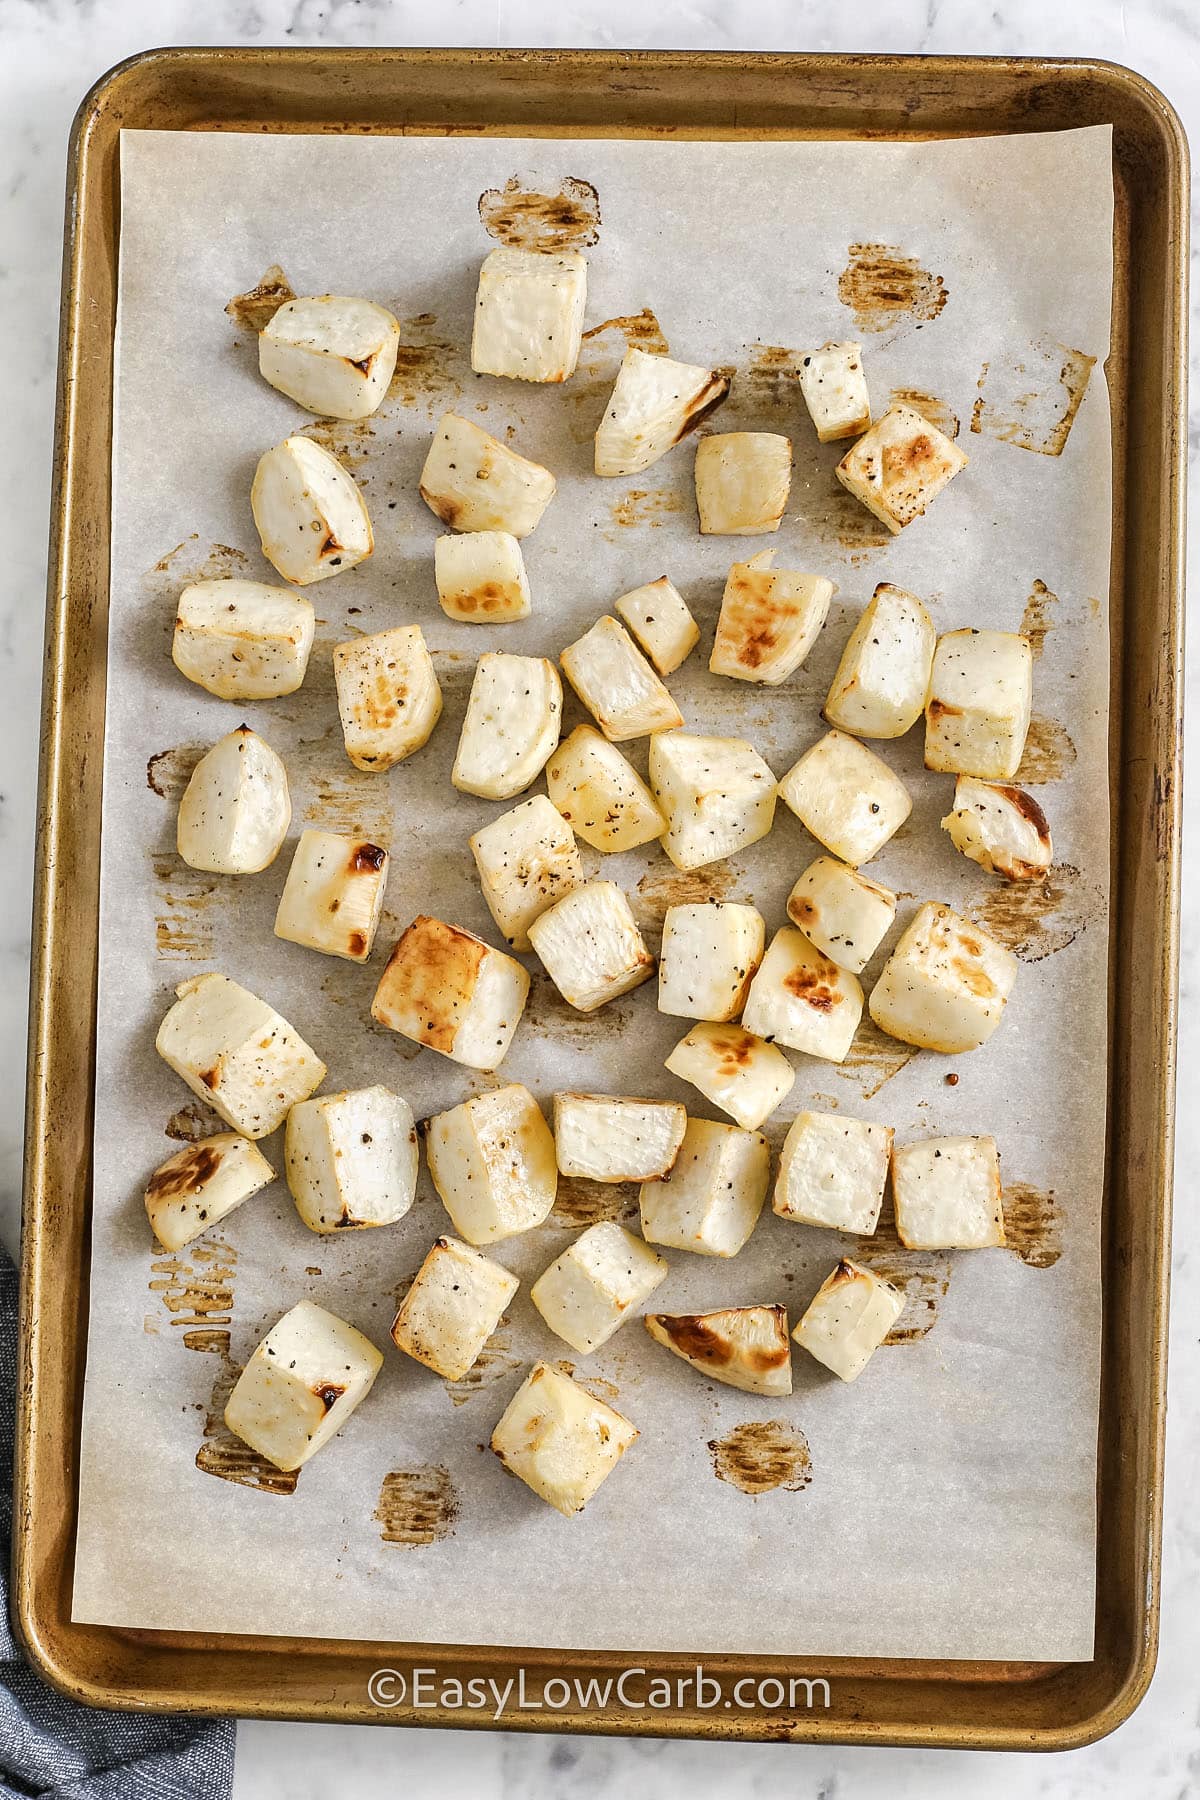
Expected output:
(711, 1201)
(330, 353)
(559, 1440)
(312, 520)
(333, 896)
(529, 314)
(802, 999)
(527, 859)
(586, 1293)
(846, 796)
(881, 683)
(600, 794)
(945, 985)
(445, 988)
(901, 464)
(717, 793)
(947, 1194)
(301, 1385)
(770, 620)
(742, 482)
(744, 1346)
(602, 1137)
(201, 1185)
(846, 916)
(835, 391)
(655, 401)
(492, 1162)
(242, 640)
(455, 1303)
(657, 615)
(351, 1159)
(1003, 829)
(848, 1318)
(977, 714)
(746, 1077)
(388, 696)
(473, 482)
(512, 724)
(832, 1172)
(481, 577)
(617, 684)
(590, 946)
(236, 809)
(238, 1054)
(710, 950)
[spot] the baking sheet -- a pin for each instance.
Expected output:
(956, 1480)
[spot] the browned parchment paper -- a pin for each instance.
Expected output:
(942, 1506)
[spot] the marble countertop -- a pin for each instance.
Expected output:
(50, 53)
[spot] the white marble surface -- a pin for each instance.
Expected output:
(50, 52)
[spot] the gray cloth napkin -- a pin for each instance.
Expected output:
(49, 1745)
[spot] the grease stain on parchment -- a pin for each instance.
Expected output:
(1031, 399)
(339, 992)
(400, 1287)
(598, 1386)
(761, 1455)
(1033, 1224)
(456, 676)
(417, 1507)
(190, 561)
(195, 1288)
(347, 439)
(183, 928)
(930, 407)
(226, 1457)
(350, 801)
(922, 1276)
(771, 378)
(640, 331)
(207, 1339)
(495, 1362)
(1049, 753)
(548, 1015)
(526, 218)
(668, 886)
(648, 506)
(169, 771)
(884, 288)
(1036, 919)
(873, 1058)
(1037, 621)
(846, 522)
(190, 1123)
(254, 310)
(229, 1459)
(580, 1202)
(431, 371)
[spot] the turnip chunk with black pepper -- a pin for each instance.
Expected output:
(301, 1385)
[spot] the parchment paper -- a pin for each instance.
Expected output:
(946, 1504)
